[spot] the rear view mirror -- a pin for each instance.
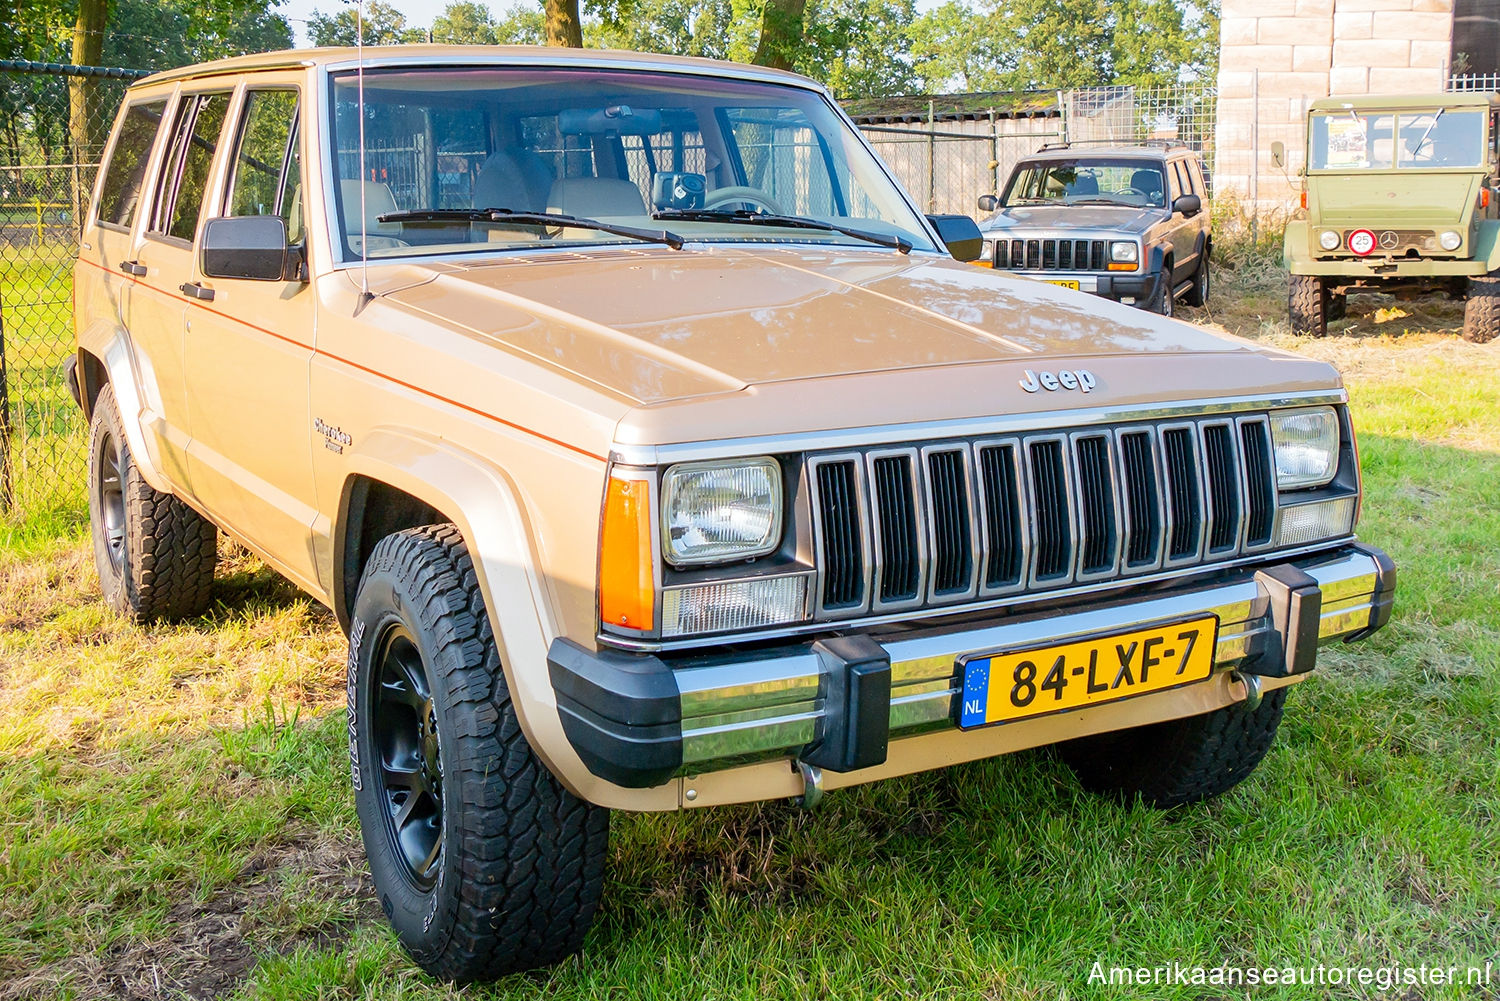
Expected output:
(1188, 205)
(988, 203)
(960, 235)
(1278, 154)
(250, 246)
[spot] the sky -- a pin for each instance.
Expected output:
(418, 12)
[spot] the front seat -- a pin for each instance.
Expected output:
(513, 179)
(1148, 182)
(593, 197)
(1083, 186)
(378, 200)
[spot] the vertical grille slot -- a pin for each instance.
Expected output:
(1054, 525)
(952, 530)
(1018, 254)
(1223, 487)
(1049, 254)
(1033, 254)
(1140, 490)
(843, 549)
(1183, 502)
(900, 562)
(1098, 254)
(1260, 488)
(1002, 253)
(1096, 504)
(1002, 515)
(1065, 255)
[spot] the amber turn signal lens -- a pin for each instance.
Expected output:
(1304, 199)
(1122, 265)
(627, 586)
(1484, 198)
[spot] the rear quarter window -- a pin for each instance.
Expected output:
(125, 167)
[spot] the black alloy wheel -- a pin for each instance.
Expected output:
(410, 773)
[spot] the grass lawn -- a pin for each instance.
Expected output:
(175, 817)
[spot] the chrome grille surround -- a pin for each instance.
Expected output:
(1070, 493)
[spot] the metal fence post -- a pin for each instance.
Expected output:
(931, 155)
(7, 497)
(1254, 153)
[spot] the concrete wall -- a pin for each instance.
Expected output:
(1278, 55)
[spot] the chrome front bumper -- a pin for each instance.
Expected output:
(637, 720)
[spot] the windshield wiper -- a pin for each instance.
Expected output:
(532, 219)
(1103, 201)
(788, 221)
(1416, 152)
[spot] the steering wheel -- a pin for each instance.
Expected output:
(742, 193)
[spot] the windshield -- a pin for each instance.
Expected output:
(1379, 140)
(1063, 182)
(596, 144)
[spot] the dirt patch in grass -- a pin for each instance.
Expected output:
(215, 943)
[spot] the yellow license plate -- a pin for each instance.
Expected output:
(1011, 685)
(1064, 282)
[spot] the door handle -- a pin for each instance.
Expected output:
(195, 291)
(133, 268)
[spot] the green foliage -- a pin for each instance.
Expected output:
(1046, 44)
(383, 25)
(464, 24)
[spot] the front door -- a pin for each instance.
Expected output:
(248, 352)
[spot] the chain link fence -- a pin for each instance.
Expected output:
(945, 151)
(53, 122)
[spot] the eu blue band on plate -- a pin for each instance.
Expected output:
(976, 692)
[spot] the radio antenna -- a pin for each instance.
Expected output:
(364, 236)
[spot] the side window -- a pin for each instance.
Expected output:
(195, 139)
(1178, 185)
(125, 168)
(1195, 178)
(267, 178)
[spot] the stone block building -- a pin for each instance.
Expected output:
(1278, 55)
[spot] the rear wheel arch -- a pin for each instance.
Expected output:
(92, 378)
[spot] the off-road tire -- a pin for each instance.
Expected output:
(1307, 306)
(1198, 294)
(155, 555)
(1165, 301)
(1482, 309)
(519, 866)
(1179, 761)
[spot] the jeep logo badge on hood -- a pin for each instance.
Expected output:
(1080, 378)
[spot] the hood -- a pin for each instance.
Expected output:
(1397, 198)
(654, 325)
(1121, 218)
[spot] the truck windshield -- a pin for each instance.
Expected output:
(602, 145)
(1380, 140)
(1064, 182)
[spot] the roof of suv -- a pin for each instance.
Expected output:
(1073, 151)
(439, 55)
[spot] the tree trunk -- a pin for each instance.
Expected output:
(88, 49)
(780, 34)
(564, 28)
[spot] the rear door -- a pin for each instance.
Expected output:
(248, 350)
(157, 309)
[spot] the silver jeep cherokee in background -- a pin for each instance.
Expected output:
(1129, 223)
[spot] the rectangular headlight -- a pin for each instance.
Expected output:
(1307, 447)
(712, 512)
(1123, 250)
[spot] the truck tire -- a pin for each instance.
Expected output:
(1198, 294)
(155, 555)
(1165, 301)
(1307, 306)
(482, 861)
(1482, 309)
(1179, 761)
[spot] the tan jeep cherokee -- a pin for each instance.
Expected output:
(656, 455)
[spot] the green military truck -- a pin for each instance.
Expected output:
(1400, 199)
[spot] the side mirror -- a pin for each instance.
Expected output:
(960, 235)
(1188, 205)
(249, 246)
(988, 203)
(1278, 154)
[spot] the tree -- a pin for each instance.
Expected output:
(383, 25)
(464, 23)
(523, 24)
(564, 26)
(88, 48)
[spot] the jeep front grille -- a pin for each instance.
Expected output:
(943, 522)
(1051, 255)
